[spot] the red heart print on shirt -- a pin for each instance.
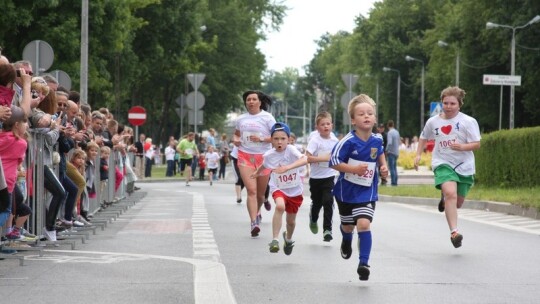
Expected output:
(446, 129)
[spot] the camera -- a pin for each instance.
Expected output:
(34, 94)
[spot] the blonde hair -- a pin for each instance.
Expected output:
(92, 144)
(105, 149)
(78, 153)
(322, 115)
(362, 98)
(457, 92)
(38, 83)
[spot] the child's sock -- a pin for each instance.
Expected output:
(347, 236)
(364, 246)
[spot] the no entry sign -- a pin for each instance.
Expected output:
(137, 116)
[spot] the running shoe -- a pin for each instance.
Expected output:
(441, 203)
(50, 235)
(27, 233)
(363, 272)
(267, 205)
(327, 236)
(239, 200)
(274, 246)
(346, 249)
(287, 245)
(314, 227)
(255, 229)
(456, 239)
(14, 235)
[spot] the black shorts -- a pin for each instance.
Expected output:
(184, 162)
(350, 213)
(214, 171)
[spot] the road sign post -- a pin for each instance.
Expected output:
(503, 80)
(196, 80)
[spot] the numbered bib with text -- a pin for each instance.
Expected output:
(246, 138)
(288, 179)
(363, 180)
(443, 142)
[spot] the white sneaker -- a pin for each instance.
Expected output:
(50, 235)
(76, 223)
(82, 220)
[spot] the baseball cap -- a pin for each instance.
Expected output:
(280, 126)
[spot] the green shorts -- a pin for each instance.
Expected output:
(445, 173)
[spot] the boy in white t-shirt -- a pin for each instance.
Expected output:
(212, 161)
(321, 179)
(285, 183)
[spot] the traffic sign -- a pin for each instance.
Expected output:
(63, 78)
(501, 80)
(137, 116)
(40, 54)
(195, 100)
(195, 80)
(435, 108)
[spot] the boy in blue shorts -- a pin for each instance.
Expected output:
(356, 157)
(286, 184)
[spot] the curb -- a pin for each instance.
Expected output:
(505, 208)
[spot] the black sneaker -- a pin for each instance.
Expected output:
(363, 272)
(441, 203)
(287, 246)
(456, 239)
(346, 249)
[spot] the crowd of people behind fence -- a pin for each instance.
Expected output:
(51, 140)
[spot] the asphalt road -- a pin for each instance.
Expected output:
(183, 244)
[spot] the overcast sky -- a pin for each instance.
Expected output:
(306, 21)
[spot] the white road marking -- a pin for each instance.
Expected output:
(484, 217)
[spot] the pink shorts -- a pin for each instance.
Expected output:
(251, 161)
(291, 203)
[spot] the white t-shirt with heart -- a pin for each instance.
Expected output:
(461, 129)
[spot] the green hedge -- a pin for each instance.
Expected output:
(509, 158)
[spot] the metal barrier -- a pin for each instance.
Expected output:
(38, 197)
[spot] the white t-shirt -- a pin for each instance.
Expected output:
(461, 129)
(169, 153)
(212, 160)
(258, 125)
(289, 182)
(318, 146)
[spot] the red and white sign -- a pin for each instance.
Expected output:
(137, 116)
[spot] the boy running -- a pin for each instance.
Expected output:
(286, 185)
(321, 179)
(356, 157)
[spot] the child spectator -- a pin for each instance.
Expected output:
(202, 165)
(212, 159)
(90, 168)
(170, 151)
(321, 179)
(78, 160)
(356, 157)
(104, 173)
(285, 183)
(12, 150)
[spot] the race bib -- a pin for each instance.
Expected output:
(324, 153)
(189, 152)
(443, 142)
(363, 180)
(246, 139)
(288, 179)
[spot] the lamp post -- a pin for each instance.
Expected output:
(409, 58)
(386, 69)
(444, 44)
(491, 25)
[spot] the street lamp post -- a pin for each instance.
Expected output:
(491, 25)
(386, 69)
(444, 44)
(409, 58)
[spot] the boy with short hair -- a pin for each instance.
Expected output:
(285, 184)
(321, 180)
(356, 157)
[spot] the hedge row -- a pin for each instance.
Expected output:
(509, 158)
